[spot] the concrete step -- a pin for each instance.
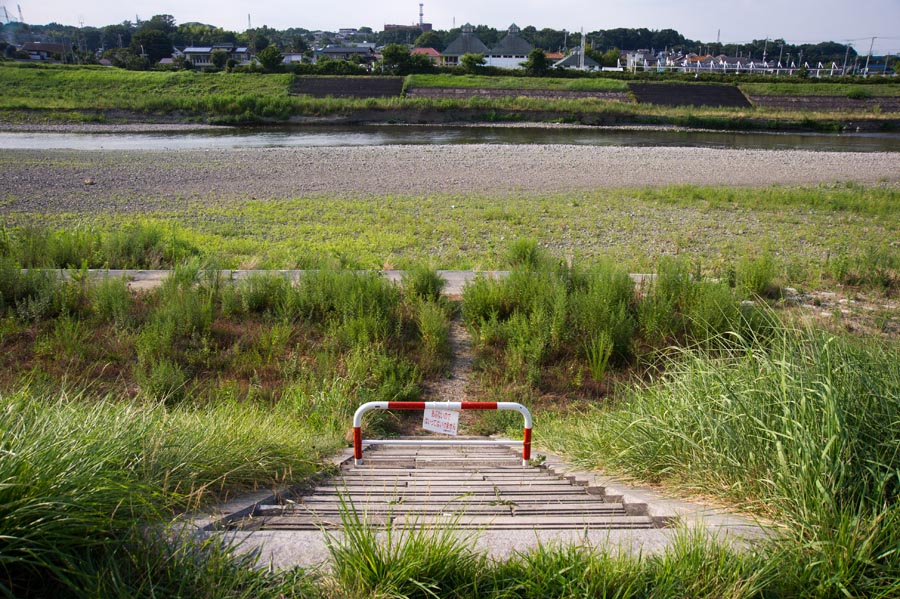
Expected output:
(448, 489)
(498, 522)
(520, 500)
(467, 509)
(469, 488)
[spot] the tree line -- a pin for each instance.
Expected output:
(153, 39)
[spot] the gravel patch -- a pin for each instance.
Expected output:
(125, 181)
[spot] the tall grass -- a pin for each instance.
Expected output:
(135, 245)
(402, 561)
(548, 316)
(82, 478)
(802, 428)
(423, 562)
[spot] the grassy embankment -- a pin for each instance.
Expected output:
(819, 236)
(844, 90)
(121, 410)
(799, 426)
(481, 82)
(66, 93)
(812, 417)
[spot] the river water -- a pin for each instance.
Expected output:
(376, 135)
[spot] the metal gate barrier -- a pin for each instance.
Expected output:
(454, 406)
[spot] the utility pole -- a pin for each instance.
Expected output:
(581, 58)
(846, 56)
(869, 55)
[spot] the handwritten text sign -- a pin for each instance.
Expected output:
(441, 421)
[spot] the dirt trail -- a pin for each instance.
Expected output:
(454, 386)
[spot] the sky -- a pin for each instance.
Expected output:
(734, 21)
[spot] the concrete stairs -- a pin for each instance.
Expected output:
(689, 94)
(459, 487)
(348, 87)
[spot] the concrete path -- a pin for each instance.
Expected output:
(455, 279)
(484, 494)
(461, 487)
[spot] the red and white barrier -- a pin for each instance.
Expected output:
(358, 441)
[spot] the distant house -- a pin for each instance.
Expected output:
(201, 56)
(511, 51)
(467, 43)
(294, 57)
(553, 57)
(46, 50)
(365, 53)
(573, 61)
(433, 55)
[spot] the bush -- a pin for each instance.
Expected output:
(423, 282)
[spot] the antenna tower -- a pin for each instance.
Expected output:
(249, 26)
(21, 18)
(421, 15)
(6, 15)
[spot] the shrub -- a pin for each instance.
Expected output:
(111, 300)
(161, 379)
(423, 282)
(525, 253)
(755, 276)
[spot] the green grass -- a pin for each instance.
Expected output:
(79, 94)
(537, 83)
(422, 563)
(800, 427)
(82, 478)
(198, 339)
(73, 88)
(556, 328)
(817, 235)
(841, 90)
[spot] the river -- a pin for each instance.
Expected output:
(381, 135)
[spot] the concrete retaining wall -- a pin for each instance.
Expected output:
(542, 94)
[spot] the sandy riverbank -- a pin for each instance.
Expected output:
(64, 180)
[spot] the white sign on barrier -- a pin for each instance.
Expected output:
(441, 421)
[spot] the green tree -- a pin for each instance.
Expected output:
(397, 60)
(164, 23)
(610, 58)
(271, 59)
(261, 42)
(219, 58)
(537, 64)
(430, 39)
(151, 43)
(393, 56)
(472, 62)
(183, 64)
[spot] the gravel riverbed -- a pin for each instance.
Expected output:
(77, 181)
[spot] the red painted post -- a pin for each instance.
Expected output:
(526, 445)
(357, 443)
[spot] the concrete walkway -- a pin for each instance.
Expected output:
(484, 494)
(455, 279)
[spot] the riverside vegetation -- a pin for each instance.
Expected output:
(122, 410)
(68, 93)
(822, 236)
